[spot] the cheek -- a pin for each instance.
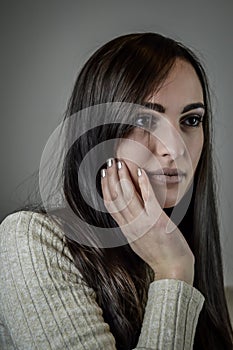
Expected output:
(133, 151)
(195, 147)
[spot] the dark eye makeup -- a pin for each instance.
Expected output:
(192, 120)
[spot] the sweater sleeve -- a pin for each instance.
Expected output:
(45, 304)
(171, 316)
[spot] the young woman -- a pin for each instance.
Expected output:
(113, 267)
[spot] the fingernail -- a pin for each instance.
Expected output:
(103, 172)
(139, 172)
(109, 162)
(119, 165)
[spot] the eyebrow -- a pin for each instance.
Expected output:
(159, 108)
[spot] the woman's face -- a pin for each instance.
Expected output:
(171, 147)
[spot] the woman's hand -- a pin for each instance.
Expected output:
(149, 231)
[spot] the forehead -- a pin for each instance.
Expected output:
(181, 87)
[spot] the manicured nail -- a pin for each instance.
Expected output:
(109, 162)
(103, 172)
(139, 172)
(119, 165)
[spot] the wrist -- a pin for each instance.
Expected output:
(186, 277)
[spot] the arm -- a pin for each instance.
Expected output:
(45, 304)
(159, 242)
(171, 316)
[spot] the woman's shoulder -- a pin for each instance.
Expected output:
(31, 222)
(43, 296)
(34, 237)
(31, 225)
(25, 220)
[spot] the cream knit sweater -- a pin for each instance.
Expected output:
(45, 304)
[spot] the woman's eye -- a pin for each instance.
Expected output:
(145, 121)
(192, 121)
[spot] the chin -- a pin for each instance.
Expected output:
(171, 202)
(170, 205)
(170, 197)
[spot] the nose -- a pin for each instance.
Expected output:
(169, 143)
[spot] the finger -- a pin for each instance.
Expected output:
(104, 186)
(108, 180)
(129, 192)
(114, 186)
(151, 204)
(107, 196)
(121, 190)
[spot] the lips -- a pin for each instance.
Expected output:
(168, 172)
(167, 175)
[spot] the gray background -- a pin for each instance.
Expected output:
(44, 44)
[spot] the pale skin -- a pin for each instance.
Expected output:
(136, 198)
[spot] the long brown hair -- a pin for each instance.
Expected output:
(128, 69)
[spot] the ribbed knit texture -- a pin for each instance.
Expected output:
(45, 304)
